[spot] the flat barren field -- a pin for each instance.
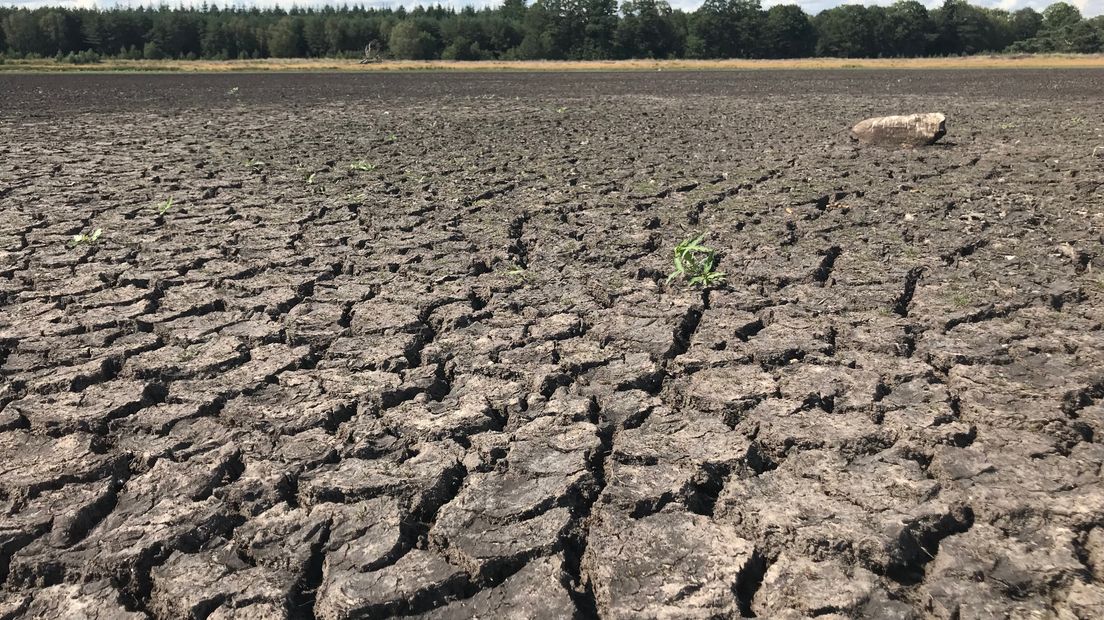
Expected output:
(292, 346)
(1002, 61)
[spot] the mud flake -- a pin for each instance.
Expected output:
(194, 585)
(979, 571)
(500, 521)
(727, 390)
(87, 411)
(419, 579)
(95, 599)
(33, 463)
(421, 481)
(534, 591)
(785, 426)
(794, 583)
(666, 565)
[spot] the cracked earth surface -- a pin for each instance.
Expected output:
(402, 345)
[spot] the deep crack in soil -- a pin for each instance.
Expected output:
(403, 345)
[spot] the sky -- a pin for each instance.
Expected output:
(1089, 8)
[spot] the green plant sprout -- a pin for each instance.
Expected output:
(696, 263)
(960, 300)
(363, 166)
(310, 179)
(163, 207)
(85, 239)
(520, 273)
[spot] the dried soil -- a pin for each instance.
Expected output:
(403, 345)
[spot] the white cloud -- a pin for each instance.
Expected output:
(815, 6)
(34, 4)
(1089, 8)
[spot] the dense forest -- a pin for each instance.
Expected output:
(546, 29)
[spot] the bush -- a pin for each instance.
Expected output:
(410, 41)
(152, 51)
(463, 49)
(87, 57)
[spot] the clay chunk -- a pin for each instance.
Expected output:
(902, 131)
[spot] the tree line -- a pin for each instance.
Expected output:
(547, 29)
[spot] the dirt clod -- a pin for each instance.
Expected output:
(910, 130)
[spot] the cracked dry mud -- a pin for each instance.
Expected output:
(453, 383)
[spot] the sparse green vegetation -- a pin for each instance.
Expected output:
(85, 238)
(519, 272)
(163, 207)
(362, 166)
(86, 57)
(696, 263)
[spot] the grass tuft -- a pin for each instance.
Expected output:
(86, 239)
(696, 263)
